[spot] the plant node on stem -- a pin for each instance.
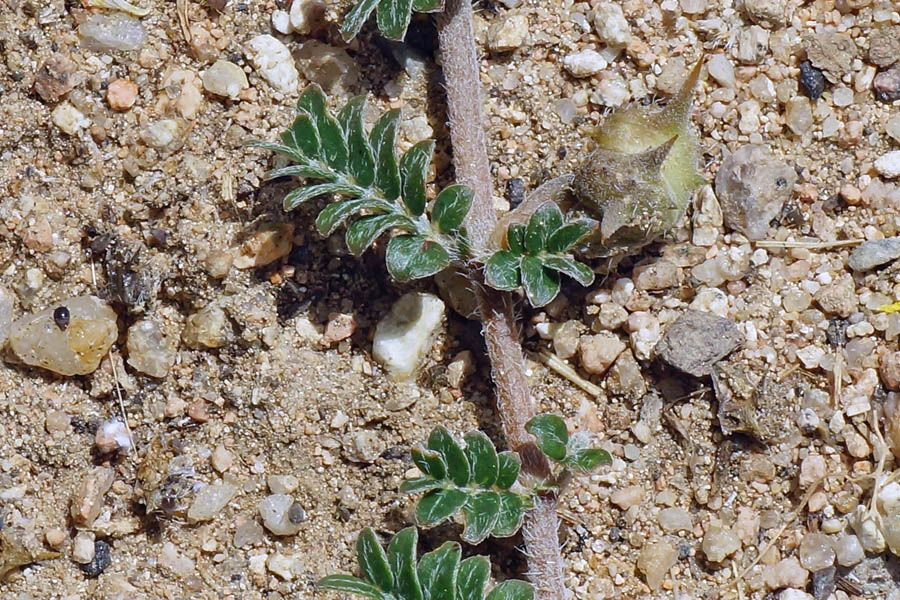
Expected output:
(460, 65)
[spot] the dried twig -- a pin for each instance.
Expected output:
(565, 370)
(807, 244)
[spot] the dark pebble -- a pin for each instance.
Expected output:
(61, 317)
(836, 333)
(811, 80)
(615, 534)
(515, 191)
(296, 514)
(823, 583)
(887, 84)
(101, 560)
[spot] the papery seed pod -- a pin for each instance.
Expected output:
(639, 179)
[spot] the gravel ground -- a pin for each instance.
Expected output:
(125, 174)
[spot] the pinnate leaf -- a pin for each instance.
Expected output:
(567, 265)
(334, 215)
(543, 223)
(303, 136)
(472, 578)
(509, 465)
(457, 463)
(438, 505)
(482, 458)
(565, 238)
(414, 257)
(360, 161)
(331, 136)
(352, 585)
(420, 484)
(551, 433)
(515, 238)
(451, 207)
(373, 561)
(402, 558)
(438, 571)
(427, 6)
(511, 514)
(501, 271)
(383, 139)
(430, 462)
(413, 172)
(356, 18)
(302, 170)
(541, 285)
(482, 509)
(300, 195)
(363, 233)
(511, 589)
(393, 18)
(587, 459)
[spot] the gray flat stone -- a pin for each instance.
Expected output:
(697, 340)
(875, 253)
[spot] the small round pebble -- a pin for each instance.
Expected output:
(83, 547)
(816, 551)
(275, 511)
(888, 165)
(225, 79)
(719, 543)
(112, 436)
(121, 94)
(100, 561)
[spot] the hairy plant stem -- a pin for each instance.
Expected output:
(497, 311)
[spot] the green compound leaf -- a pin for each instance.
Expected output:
(511, 514)
(303, 136)
(300, 195)
(571, 267)
(363, 233)
(472, 578)
(287, 150)
(420, 484)
(430, 462)
(402, 558)
(551, 433)
(427, 6)
(373, 561)
(501, 271)
(515, 238)
(352, 585)
(509, 465)
(438, 571)
(482, 458)
(334, 215)
(312, 171)
(512, 589)
(413, 172)
(331, 136)
(438, 505)
(383, 139)
(414, 257)
(393, 18)
(457, 463)
(543, 223)
(565, 238)
(588, 459)
(360, 161)
(541, 285)
(482, 510)
(451, 207)
(356, 18)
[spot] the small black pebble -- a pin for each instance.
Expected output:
(836, 333)
(811, 80)
(296, 514)
(615, 534)
(61, 317)
(515, 191)
(101, 560)
(823, 583)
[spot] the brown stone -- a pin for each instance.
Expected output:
(55, 78)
